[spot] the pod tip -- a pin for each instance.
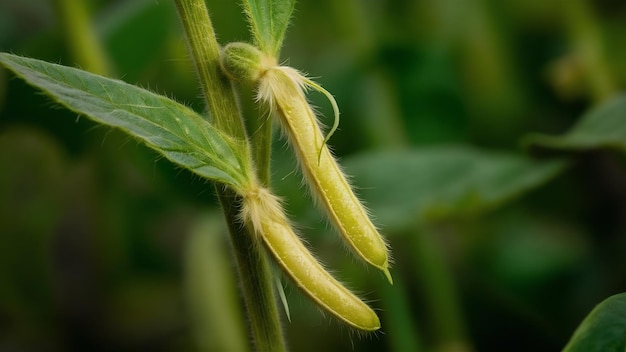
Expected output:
(387, 274)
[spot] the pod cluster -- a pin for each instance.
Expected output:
(282, 88)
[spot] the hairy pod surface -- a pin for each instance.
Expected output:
(282, 88)
(264, 212)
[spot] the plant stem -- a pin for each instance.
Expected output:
(262, 146)
(205, 52)
(255, 279)
(254, 272)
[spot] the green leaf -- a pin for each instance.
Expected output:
(603, 330)
(269, 20)
(602, 127)
(400, 186)
(172, 129)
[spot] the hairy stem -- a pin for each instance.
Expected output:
(262, 146)
(254, 271)
(205, 52)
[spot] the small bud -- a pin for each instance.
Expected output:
(244, 62)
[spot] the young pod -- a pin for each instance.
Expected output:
(263, 211)
(282, 87)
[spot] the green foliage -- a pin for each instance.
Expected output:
(170, 128)
(438, 182)
(602, 127)
(603, 330)
(269, 20)
(412, 76)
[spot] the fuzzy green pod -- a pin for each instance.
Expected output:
(244, 62)
(263, 211)
(282, 88)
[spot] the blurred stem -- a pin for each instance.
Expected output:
(381, 118)
(439, 291)
(254, 272)
(586, 37)
(211, 289)
(403, 333)
(84, 44)
(489, 64)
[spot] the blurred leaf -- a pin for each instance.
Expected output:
(602, 127)
(524, 250)
(436, 182)
(603, 330)
(172, 129)
(268, 21)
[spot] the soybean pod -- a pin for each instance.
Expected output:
(320, 168)
(263, 211)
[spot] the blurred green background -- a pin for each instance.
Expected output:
(105, 246)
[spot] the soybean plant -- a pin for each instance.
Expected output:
(222, 151)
